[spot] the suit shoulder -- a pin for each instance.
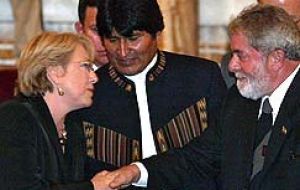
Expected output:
(190, 61)
(13, 113)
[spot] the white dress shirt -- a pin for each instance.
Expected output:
(148, 145)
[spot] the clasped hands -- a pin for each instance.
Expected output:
(117, 179)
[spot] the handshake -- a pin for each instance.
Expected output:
(117, 179)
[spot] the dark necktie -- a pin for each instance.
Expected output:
(265, 122)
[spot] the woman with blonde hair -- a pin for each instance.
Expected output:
(40, 149)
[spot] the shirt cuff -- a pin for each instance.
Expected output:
(142, 182)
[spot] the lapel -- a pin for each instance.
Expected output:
(250, 114)
(280, 129)
(240, 123)
(47, 122)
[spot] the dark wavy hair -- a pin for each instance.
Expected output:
(126, 16)
(83, 4)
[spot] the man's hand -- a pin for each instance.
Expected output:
(125, 176)
(102, 180)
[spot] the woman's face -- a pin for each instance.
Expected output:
(78, 80)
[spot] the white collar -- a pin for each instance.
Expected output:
(142, 75)
(277, 96)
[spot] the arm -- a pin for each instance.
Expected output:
(200, 158)
(23, 157)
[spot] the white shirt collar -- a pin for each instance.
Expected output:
(277, 96)
(142, 75)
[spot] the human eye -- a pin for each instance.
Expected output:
(113, 39)
(89, 66)
(243, 56)
(133, 37)
(94, 29)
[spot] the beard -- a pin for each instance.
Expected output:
(254, 86)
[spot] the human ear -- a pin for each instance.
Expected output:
(276, 59)
(54, 74)
(78, 27)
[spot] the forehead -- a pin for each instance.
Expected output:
(238, 41)
(134, 32)
(239, 44)
(90, 15)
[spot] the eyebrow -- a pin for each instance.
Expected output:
(236, 51)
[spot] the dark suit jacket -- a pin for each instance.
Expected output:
(226, 150)
(30, 159)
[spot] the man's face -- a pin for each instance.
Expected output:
(292, 7)
(250, 68)
(89, 29)
(131, 55)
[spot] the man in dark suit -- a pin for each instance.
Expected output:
(265, 43)
(148, 101)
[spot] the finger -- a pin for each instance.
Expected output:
(124, 186)
(119, 184)
(103, 173)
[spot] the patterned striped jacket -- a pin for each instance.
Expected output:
(184, 96)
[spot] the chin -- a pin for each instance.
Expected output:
(89, 103)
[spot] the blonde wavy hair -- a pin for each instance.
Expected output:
(46, 50)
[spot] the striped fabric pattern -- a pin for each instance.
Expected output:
(115, 148)
(183, 128)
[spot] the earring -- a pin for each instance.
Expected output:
(60, 91)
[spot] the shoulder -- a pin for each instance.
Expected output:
(14, 114)
(192, 61)
(191, 65)
(13, 107)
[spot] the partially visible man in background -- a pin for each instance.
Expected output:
(292, 7)
(87, 12)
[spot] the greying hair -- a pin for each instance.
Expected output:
(46, 50)
(268, 28)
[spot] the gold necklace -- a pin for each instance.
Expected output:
(63, 138)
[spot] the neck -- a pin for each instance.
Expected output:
(282, 74)
(58, 110)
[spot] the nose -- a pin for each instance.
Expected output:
(123, 47)
(233, 64)
(93, 77)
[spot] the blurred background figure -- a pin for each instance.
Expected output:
(28, 21)
(87, 12)
(290, 6)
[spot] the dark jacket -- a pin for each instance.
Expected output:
(184, 96)
(226, 150)
(31, 157)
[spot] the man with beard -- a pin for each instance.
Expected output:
(290, 6)
(148, 101)
(265, 43)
